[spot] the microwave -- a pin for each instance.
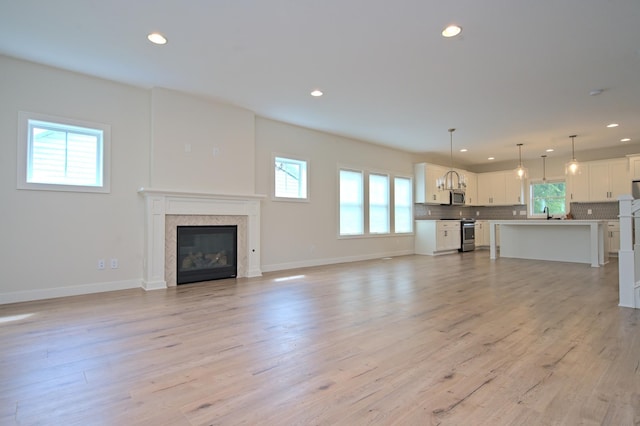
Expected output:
(456, 197)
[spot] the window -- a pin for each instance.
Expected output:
(351, 203)
(403, 205)
(369, 205)
(62, 155)
(378, 204)
(290, 178)
(547, 194)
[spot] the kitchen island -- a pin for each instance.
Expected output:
(581, 241)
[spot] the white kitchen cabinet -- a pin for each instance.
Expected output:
(513, 189)
(437, 236)
(427, 191)
(483, 236)
(608, 180)
(499, 188)
(613, 236)
(578, 186)
(471, 192)
(634, 167)
(480, 226)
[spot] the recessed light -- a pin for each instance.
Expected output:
(625, 140)
(451, 31)
(550, 150)
(491, 158)
(463, 150)
(612, 125)
(595, 92)
(317, 93)
(157, 38)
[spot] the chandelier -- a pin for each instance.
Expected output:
(451, 180)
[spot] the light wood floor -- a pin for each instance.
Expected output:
(415, 340)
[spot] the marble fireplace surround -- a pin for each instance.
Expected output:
(166, 209)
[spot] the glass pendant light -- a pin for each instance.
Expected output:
(572, 167)
(544, 167)
(521, 172)
(446, 182)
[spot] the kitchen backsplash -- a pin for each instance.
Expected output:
(599, 211)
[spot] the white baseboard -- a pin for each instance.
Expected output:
(330, 261)
(50, 293)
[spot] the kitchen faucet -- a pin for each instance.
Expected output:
(546, 210)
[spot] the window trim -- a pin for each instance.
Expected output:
(392, 207)
(24, 146)
(306, 199)
(388, 204)
(532, 182)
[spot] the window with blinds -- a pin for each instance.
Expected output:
(61, 155)
(290, 178)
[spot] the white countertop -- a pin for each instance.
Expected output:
(547, 222)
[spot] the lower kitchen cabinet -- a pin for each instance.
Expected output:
(483, 238)
(437, 236)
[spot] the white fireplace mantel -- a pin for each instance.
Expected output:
(160, 203)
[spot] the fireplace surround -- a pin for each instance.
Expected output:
(167, 209)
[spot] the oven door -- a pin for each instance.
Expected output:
(468, 236)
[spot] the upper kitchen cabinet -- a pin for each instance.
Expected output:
(608, 180)
(499, 188)
(471, 192)
(427, 191)
(578, 186)
(634, 166)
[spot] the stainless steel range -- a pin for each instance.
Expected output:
(467, 234)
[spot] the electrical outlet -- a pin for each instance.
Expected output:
(477, 213)
(429, 212)
(114, 263)
(514, 212)
(100, 263)
(589, 211)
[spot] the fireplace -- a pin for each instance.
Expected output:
(206, 253)
(166, 210)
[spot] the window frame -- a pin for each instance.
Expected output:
(365, 174)
(363, 203)
(387, 203)
(409, 206)
(292, 158)
(530, 213)
(69, 125)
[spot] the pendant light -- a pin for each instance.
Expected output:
(521, 172)
(446, 182)
(544, 167)
(572, 167)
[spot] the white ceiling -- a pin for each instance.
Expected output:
(521, 72)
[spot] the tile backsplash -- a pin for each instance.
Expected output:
(599, 211)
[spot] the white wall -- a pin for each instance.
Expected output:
(219, 138)
(51, 241)
(296, 234)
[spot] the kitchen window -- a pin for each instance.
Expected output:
(62, 154)
(547, 194)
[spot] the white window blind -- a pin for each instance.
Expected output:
(378, 204)
(290, 178)
(403, 205)
(60, 154)
(351, 203)
(64, 155)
